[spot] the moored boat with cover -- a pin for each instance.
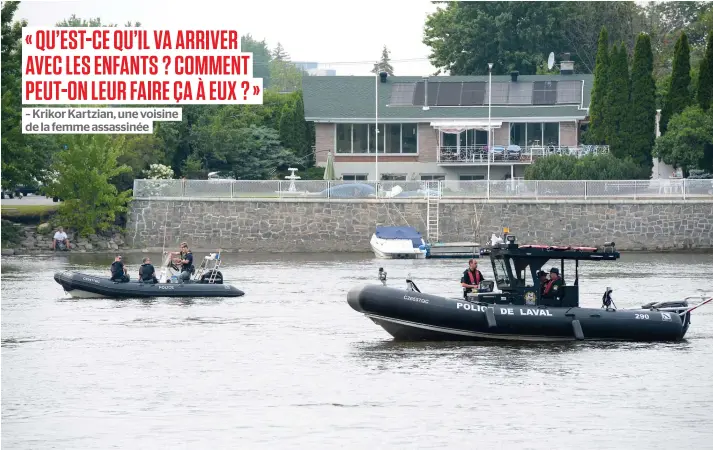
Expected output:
(520, 311)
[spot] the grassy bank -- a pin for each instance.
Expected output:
(28, 213)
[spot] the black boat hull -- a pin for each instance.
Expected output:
(411, 316)
(81, 285)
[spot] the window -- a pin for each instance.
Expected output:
(393, 177)
(535, 133)
(433, 178)
(360, 135)
(360, 138)
(502, 278)
(471, 177)
(344, 138)
(354, 177)
(551, 134)
(517, 134)
(409, 138)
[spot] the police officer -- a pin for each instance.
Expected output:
(542, 276)
(471, 278)
(147, 272)
(118, 271)
(186, 262)
(553, 288)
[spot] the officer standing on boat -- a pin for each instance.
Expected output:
(186, 263)
(471, 278)
(553, 288)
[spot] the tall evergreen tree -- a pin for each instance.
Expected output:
(705, 76)
(618, 101)
(598, 104)
(642, 111)
(678, 96)
(279, 54)
(384, 64)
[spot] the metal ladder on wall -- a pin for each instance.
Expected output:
(433, 197)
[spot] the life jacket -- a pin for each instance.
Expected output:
(474, 279)
(144, 269)
(548, 286)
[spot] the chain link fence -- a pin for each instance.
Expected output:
(481, 189)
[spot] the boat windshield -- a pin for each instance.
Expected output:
(501, 272)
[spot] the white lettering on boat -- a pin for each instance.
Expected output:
(415, 299)
(507, 311)
(641, 316)
(535, 312)
(471, 307)
(93, 280)
(165, 287)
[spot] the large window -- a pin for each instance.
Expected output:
(361, 138)
(433, 178)
(393, 177)
(535, 133)
(471, 177)
(467, 138)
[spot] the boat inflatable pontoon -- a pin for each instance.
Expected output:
(207, 281)
(519, 312)
(82, 285)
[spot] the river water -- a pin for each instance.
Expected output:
(291, 365)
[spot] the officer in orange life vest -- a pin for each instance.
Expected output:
(471, 278)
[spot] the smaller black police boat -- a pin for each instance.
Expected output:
(207, 281)
(520, 312)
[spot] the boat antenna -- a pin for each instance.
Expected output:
(165, 220)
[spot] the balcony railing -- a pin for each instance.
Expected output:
(681, 189)
(474, 154)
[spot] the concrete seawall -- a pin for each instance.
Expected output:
(318, 225)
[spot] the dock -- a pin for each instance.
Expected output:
(453, 250)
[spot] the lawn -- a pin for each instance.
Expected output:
(27, 211)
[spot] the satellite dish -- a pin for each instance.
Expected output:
(551, 61)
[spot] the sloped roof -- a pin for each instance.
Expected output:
(351, 98)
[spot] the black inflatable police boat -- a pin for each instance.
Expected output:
(207, 281)
(519, 312)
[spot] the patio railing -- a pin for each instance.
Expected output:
(478, 189)
(474, 154)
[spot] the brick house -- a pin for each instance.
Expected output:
(531, 116)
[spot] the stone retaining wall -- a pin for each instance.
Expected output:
(317, 225)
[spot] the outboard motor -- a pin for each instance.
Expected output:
(382, 276)
(607, 301)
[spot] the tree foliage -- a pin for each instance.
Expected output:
(641, 114)
(465, 36)
(704, 94)
(688, 143)
(25, 157)
(85, 170)
(617, 100)
(598, 111)
(589, 167)
(678, 96)
(384, 64)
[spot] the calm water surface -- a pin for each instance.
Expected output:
(291, 365)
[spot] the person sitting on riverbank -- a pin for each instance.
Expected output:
(118, 271)
(471, 278)
(147, 272)
(60, 240)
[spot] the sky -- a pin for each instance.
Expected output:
(309, 30)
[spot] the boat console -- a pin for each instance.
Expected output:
(515, 268)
